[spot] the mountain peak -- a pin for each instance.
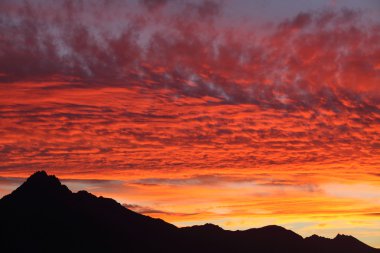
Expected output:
(208, 226)
(315, 237)
(348, 238)
(42, 184)
(343, 236)
(42, 179)
(39, 176)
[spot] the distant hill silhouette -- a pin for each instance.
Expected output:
(42, 215)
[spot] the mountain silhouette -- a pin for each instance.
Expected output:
(42, 215)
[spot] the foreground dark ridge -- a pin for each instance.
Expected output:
(42, 215)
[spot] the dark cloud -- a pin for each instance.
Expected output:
(322, 59)
(207, 8)
(154, 4)
(11, 181)
(88, 182)
(373, 214)
(260, 180)
(195, 180)
(93, 182)
(151, 211)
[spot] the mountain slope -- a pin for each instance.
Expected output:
(42, 215)
(45, 215)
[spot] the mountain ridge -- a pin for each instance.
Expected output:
(44, 215)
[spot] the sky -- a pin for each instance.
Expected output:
(238, 113)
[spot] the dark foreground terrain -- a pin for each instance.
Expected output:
(42, 215)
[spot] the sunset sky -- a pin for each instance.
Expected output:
(239, 113)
